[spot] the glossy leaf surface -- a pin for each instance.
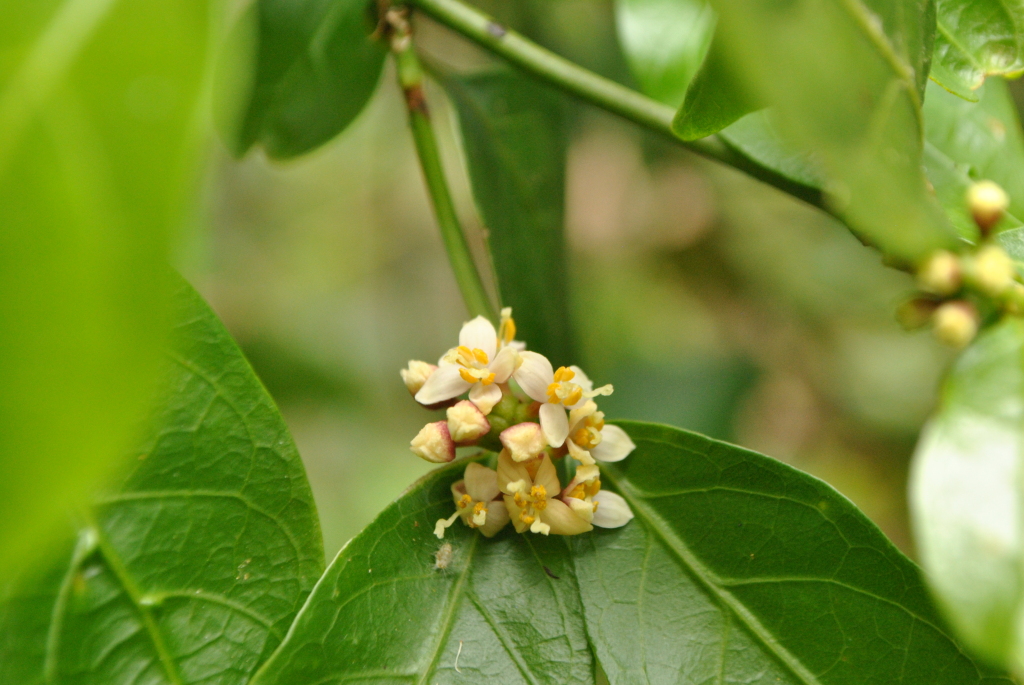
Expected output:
(515, 143)
(504, 610)
(193, 568)
(740, 569)
(966, 495)
(97, 107)
(664, 42)
(756, 137)
(317, 64)
(865, 127)
(975, 39)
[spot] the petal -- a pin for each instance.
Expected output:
(481, 483)
(612, 510)
(578, 453)
(554, 423)
(479, 334)
(443, 384)
(510, 471)
(563, 520)
(497, 518)
(615, 445)
(548, 477)
(513, 513)
(581, 379)
(484, 396)
(504, 364)
(581, 412)
(534, 375)
(585, 510)
(584, 474)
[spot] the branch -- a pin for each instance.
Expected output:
(410, 77)
(599, 91)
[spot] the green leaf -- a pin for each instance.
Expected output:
(755, 137)
(967, 142)
(97, 153)
(664, 42)
(986, 137)
(865, 128)
(738, 568)
(317, 64)
(515, 143)
(966, 495)
(715, 98)
(975, 39)
(504, 610)
(193, 568)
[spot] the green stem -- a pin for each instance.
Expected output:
(410, 77)
(599, 91)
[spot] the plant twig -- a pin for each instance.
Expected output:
(410, 77)
(598, 90)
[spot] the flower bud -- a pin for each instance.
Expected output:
(466, 423)
(987, 202)
(956, 323)
(416, 375)
(434, 443)
(524, 441)
(940, 274)
(916, 313)
(992, 271)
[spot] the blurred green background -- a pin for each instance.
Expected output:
(710, 301)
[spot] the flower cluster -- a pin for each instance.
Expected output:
(519, 405)
(960, 292)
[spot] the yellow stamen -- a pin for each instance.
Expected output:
(479, 515)
(526, 518)
(467, 376)
(573, 397)
(564, 374)
(539, 492)
(465, 501)
(579, 492)
(488, 379)
(507, 330)
(595, 505)
(594, 488)
(520, 502)
(480, 355)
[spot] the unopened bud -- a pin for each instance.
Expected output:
(992, 271)
(940, 274)
(434, 443)
(916, 313)
(466, 423)
(987, 202)
(956, 323)
(416, 375)
(524, 441)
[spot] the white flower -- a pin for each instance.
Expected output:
(556, 391)
(476, 365)
(592, 504)
(531, 495)
(590, 440)
(477, 502)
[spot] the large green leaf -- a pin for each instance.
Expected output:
(504, 610)
(192, 569)
(664, 42)
(97, 110)
(865, 127)
(515, 143)
(317, 64)
(740, 569)
(975, 39)
(967, 498)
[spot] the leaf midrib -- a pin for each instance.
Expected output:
(708, 580)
